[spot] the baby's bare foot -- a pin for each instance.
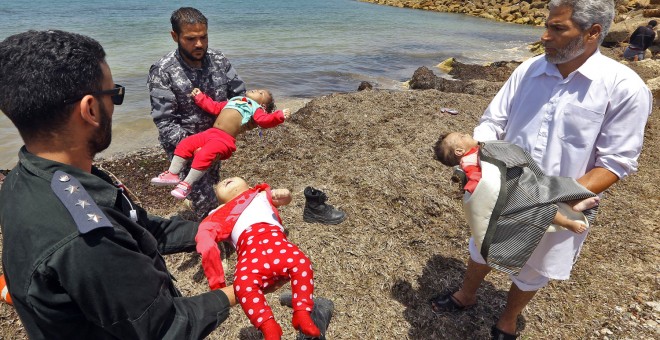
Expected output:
(586, 204)
(576, 227)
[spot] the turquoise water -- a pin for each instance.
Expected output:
(296, 48)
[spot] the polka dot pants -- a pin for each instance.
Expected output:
(265, 256)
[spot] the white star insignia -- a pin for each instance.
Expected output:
(82, 203)
(94, 217)
(64, 178)
(71, 189)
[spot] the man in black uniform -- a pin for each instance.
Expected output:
(641, 39)
(81, 260)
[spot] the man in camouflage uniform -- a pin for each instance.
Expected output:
(173, 77)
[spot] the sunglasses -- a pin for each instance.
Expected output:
(117, 95)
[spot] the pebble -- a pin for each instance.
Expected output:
(653, 304)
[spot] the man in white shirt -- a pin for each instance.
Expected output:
(579, 114)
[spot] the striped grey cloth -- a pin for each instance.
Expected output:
(525, 205)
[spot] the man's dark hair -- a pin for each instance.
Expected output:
(186, 16)
(41, 69)
(653, 23)
(443, 152)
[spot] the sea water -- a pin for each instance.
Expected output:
(298, 49)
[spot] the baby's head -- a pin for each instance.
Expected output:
(450, 147)
(263, 97)
(229, 188)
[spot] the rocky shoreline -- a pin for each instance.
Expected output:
(524, 12)
(630, 14)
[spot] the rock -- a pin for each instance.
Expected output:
(446, 65)
(537, 48)
(487, 16)
(622, 9)
(495, 72)
(654, 86)
(538, 4)
(522, 21)
(649, 13)
(653, 304)
(365, 85)
(423, 79)
(647, 69)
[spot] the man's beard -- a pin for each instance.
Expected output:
(572, 50)
(103, 136)
(188, 55)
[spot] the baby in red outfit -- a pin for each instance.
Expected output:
(218, 142)
(249, 218)
(457, 148)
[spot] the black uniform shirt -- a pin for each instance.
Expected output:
(86, 270)
(642, 38)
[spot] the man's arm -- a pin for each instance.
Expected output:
(494, 120)
(122, 290)
(174, 235)
(163, 108)
(619, 143)
(598, 180)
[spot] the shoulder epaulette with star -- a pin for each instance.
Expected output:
(86, 214)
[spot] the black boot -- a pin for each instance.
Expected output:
(316, 210)
(321, 314)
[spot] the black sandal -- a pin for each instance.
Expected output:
(497, 334)
(447, 303)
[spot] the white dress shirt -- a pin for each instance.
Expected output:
(595, 117)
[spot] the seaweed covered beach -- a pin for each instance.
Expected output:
(405, 237)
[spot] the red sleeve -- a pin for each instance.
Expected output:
(207, 246)
(268, 120)
(473, 174)
(209, 105)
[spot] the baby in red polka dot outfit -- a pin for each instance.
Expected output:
(249, 218)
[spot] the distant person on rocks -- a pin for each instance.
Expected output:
(461, 149)
(81, 259)
(575, 120)
(640, 40)
(174, 76)
(250, 219)
(219, 141)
